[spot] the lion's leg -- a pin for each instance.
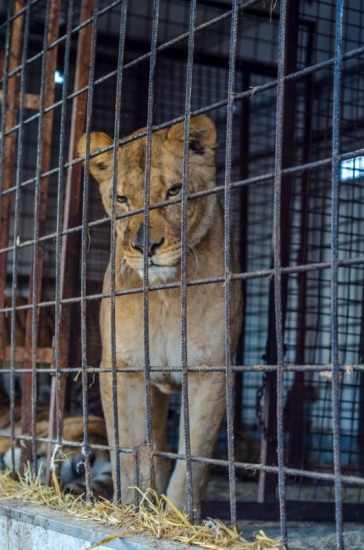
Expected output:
(206, 395)
(160, 405)
(132, 424)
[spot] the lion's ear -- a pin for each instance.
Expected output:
(202, 134)
(100, 165)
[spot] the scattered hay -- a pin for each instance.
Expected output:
(30, 489)
(150, 516)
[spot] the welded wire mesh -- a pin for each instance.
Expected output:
(292, 196)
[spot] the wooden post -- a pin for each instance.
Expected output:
(11, 118)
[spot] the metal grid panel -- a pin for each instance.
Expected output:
(328, 63)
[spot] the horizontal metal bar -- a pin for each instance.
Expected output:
(19, 13)
(237, 97)
(324, 369)
(297, 510)
(264, 273)
(218, 189)
(59, 40)
(295, 472)
(162, 47)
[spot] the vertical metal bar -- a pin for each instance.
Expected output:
(267, 482)
(227, 261)
(268, 446)
(361, 406)
(84, 247)
(361, 396)
(334, 272)
(17, 195)
(44, 143)
(278, 265)
(122, 30)
(29, 391)
(184, 209)
(243, 241)
(153, 55)
(55, 416)
(68, 267)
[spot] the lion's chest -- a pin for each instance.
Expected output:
(164, 335)
(205, 332)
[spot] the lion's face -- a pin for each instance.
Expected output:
(166, 166)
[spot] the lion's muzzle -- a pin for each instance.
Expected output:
(153, 244)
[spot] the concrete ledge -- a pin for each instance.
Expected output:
(29, 527)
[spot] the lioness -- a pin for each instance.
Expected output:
(205, 303)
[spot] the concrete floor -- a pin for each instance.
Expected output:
(247, 491)
(301, 535)
(309, 536)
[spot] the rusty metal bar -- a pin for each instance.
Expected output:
(45, 127)
(313, 511)
(336, 113)
(285, 131)
(46, 355)
(57, 392)
(184, 358)
(263, 273)
(259, 89)
(294, 472)
(237, 97)
(281, 269)
(148, 146)
(243, 244)
(361, 393)
(84, 248)
(122, 32)
(227, 262)
(68, 244)
(237, 184)
(279, 253)
(143, 455)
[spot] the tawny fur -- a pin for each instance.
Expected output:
(72, 430)
(205, 303)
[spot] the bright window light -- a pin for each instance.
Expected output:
(58, 77)
(352, 169)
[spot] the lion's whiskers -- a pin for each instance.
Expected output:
(124, 265)
(193, 249)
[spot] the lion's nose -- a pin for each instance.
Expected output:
(153, 245)
(152, 248)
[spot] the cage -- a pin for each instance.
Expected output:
(283, 85)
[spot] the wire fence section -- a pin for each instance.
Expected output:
(282, 85)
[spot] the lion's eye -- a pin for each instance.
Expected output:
(174, 191)
(121, 198)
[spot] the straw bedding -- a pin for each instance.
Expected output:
(149, 517)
